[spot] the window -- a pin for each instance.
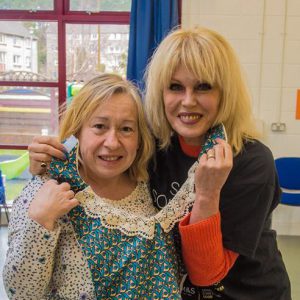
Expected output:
(17, 60)
(89, 53)
(27, 111)
(2, 57)
(2, 61)
(28, 5)
(28, 42)
(17, 41)
(47, 45)
(100, 5)
(28, 61)
(38, 40)
(112, 36)
(2, 38)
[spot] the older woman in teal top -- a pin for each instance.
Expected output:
(97, 236)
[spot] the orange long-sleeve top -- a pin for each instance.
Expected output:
(206, 260)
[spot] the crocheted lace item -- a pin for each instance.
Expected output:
(132, 215)
(183, 201)
(180, 204)
(135, 214)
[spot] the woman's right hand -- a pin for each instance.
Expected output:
(210, 176)
(51, 202)
(41, 151)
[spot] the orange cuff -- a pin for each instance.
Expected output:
(204, 233)
(206, 260)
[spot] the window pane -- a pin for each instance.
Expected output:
(100, 5)
(28, 51)
(26, 112)
(26, 4)
(92, 49)
(14, 165)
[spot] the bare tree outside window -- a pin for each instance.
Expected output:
(90, 50)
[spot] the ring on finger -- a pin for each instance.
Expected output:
(211, 155)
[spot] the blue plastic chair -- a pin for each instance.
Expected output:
(288, 169)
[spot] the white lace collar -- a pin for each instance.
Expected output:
(135, 214)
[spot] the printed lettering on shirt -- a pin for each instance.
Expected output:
(175, 186)
(162, 200)
(207, 294)
(189, 290)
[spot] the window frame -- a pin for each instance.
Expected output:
(62, 16)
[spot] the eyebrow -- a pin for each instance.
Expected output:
(107, 119)
(174, 79)
(197, 81)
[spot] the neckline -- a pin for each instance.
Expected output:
(124, 200)
(189, 150)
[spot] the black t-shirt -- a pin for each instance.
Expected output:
(248, 198)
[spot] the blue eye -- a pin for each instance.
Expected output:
(175, 87)
(203, 86)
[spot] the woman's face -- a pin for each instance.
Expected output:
(109, 139)
(191, 106)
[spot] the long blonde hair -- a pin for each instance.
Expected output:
(93, 94)
(210, 58)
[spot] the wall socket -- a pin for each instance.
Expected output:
(278, 126)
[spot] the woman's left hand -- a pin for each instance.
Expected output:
(210, 176)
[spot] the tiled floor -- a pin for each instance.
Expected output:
(290, 249)
(289, 246)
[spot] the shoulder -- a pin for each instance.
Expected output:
(257, 149)
(254, 161)
(30, 189)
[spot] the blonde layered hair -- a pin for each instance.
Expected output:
(210, 58)
(92, 95)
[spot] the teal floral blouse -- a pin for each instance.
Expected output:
(128, 253)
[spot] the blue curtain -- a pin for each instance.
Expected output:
(150, 22)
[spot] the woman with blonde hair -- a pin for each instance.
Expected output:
(88, 228)
(194, 83)
(195, 94)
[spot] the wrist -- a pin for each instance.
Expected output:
(204, 207)
(46, 222)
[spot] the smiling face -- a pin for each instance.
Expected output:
(191, 106)
(109, 140)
